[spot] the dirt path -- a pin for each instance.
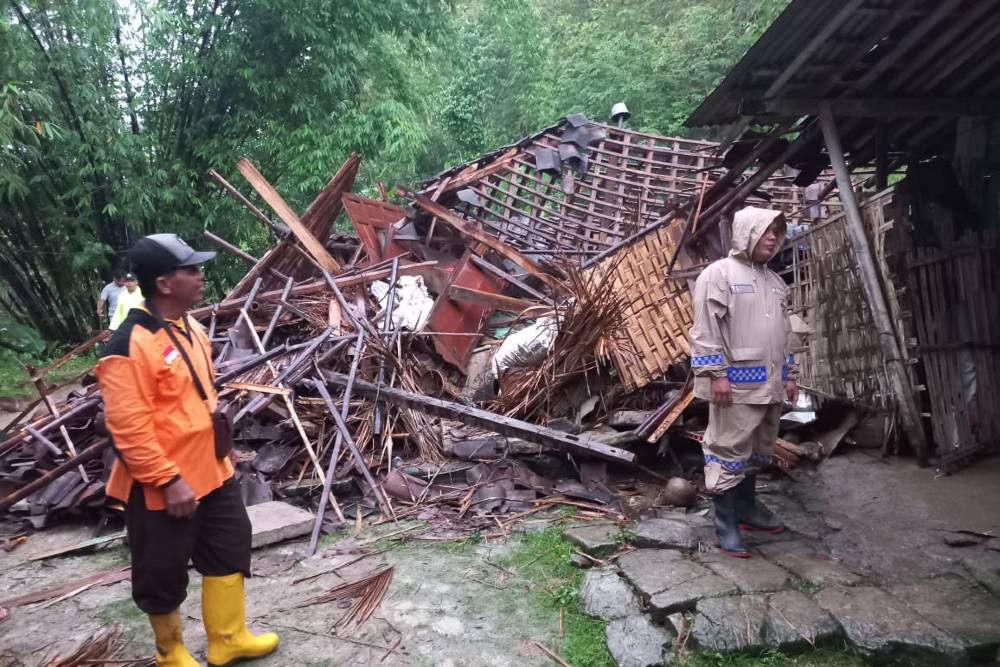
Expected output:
(444, 607)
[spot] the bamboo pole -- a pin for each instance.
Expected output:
(895, 363)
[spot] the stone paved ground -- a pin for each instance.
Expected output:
(864, 562)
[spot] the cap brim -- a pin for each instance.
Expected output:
(199, 257)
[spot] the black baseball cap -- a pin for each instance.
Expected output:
(130, 276)
(158, 254)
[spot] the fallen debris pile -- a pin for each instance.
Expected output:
(505, 315)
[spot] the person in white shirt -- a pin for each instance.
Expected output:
(129, 298)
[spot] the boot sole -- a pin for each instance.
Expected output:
(244, 658)
(732, 554)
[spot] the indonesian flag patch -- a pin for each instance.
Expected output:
(170, 354)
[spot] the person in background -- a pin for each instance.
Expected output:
(108, 300)
(182, 502)
(129, 298)
(742, 364)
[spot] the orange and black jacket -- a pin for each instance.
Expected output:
(161, 428)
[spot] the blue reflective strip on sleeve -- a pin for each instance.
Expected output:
(784, 373)
(747, 374)
(760, 457)
(731, 466)
(707, 359)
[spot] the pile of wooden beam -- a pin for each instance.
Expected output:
(331, 390)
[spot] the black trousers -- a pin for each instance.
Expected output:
(216, 539)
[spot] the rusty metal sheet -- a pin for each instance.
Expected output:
(370, 215)
(452, 317)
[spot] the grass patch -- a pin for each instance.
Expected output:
(542, 559)
(624, 537)
(805, 587)
(821, 657)
(120, 611)
(16, 383)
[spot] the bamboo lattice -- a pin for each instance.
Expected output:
(659, 315)
(843, 356)
(632, 180)
(954, 297)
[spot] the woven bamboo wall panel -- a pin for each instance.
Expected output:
(843, 356)
(659, 313)
(957, 313)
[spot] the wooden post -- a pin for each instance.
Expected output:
(895, 364)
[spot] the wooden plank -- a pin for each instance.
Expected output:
(878, 107)
(679, 406)
(54, 411)
(280, 231)
(315, 287)
(287, 215)
(503, 275)
(262, 388)
(476, 174)
(489, 300)
(463, 227)
(508, 426)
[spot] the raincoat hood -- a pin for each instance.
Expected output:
(749, 224)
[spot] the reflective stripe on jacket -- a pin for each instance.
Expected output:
(741, 321)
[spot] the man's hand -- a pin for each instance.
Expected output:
(722, 393)
(181, 501)
(792, 391)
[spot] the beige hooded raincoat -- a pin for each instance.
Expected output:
(740, 332)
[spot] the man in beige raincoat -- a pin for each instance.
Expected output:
(742, 364)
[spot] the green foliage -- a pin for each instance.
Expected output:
(543, 560)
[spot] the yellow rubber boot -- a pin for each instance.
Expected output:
(229, 640)
(170, 651)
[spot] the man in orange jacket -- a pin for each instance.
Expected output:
(183, 503)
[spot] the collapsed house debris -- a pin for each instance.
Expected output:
(504, 313)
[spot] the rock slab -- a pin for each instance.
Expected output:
(795, 621)
(670, 581)
(887, 630)
(635, 641)
(605, 595)
(805, 562)
(685, 594)
(964, 610)
(787, 620)
(651, 570)
(276, 521)
(749, 575)
(598, 540)
(730, 624)
(664, 533)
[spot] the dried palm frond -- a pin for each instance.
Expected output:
(366, 594)
(103, 648)
(589, 331)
